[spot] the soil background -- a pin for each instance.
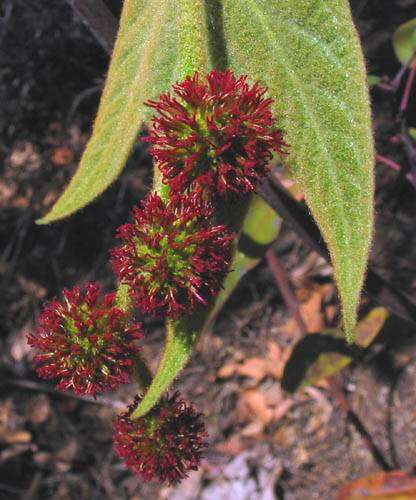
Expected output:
(264, 442)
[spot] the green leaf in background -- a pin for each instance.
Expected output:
(260, 229)
(154, 48)
(404, 41)
(373, 80)
(308, 54)
(319, 356)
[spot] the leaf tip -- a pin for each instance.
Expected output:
(43, 221)
(349, 327)
(350, 337)
(51, 216)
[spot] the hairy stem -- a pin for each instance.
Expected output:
(192, 37)
(141, 372)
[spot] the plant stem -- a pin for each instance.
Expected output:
(409, 84)
(387, 161)
(123, 298)
(193, 37)
(282, 283)
(141, 372)
(338, 391)
(100, 21)
(398, 78)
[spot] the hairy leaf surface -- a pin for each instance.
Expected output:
(153, 49)
(308, 54)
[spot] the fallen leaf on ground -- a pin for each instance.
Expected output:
(227, 370)
(253, 429)
(25, 155)
(257, 368)
(280, 411)
(395, 485)
(311, 310)
(17, 437)
(7, 191)
(38, 409)
(62, 156)
(257, 403)
(232, 446)
(266, 407)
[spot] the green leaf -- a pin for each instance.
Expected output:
(260, 229)
(404, 41)
(154, 47)
(308, 54)
(181, 339)
(373, 80)
(319, 356)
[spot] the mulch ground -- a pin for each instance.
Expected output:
(264, 443)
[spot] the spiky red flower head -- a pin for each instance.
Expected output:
(165, 444)
(85, 342)
(173, 257)
(218, 134)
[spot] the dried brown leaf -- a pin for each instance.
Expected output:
(395, 485)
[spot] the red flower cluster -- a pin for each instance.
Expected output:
(86, 343)
(213, 137)
(218, 135)
(173, 257)
(164, 444)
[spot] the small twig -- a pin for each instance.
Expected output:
(282, 283)
(36, 386)
(78, 100)
(32, 491)
(409, 84)
(338, 391)
(388, 162)
(409, 147)
(294, 214)
(411, 177)
(98, 19)
(395, 83)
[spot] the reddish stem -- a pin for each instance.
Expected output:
(411, 177)
(398, 78)
(409, 84)
(338, 391)
(386, 161)
(282, 283)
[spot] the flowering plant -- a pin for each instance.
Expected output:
(173, 257)
(214, 136)
(85, 342)
(218, 135)
(166, 443)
